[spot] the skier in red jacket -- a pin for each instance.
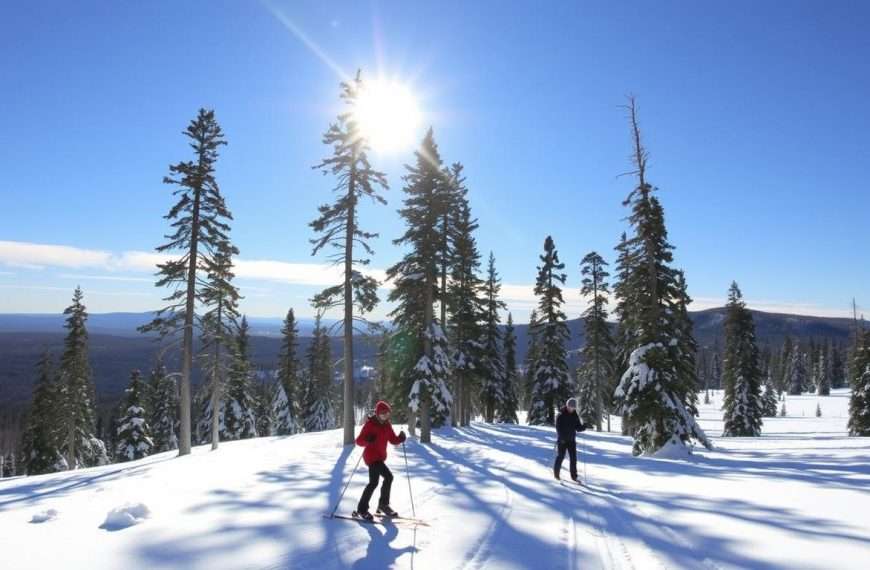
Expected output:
(374, 436)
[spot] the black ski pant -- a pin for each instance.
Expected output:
(571, 448)
(376, 471)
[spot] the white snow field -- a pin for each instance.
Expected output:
(798, 497)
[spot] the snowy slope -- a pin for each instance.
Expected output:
(799, 497)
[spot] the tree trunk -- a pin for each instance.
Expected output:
(425, 420)
(187, 350)
(348, 311)
(215, 391)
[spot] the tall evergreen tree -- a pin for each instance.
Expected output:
(769, 399)
(164, 410)
(654, 393)
(199, 223)
(507, 413)
(597, 370)
(465, 301)
(493, 390)
(552, 382)
(415, 287)
(823, 375)
(797, 374)
(219, 322)
(238, 408)
(288, 395)
(319, 414)
(742, 375)
(264, 389)
(76, 392)
(339, 229)
(40, 449)
(531, 398)
(859, 401)
(134, 433)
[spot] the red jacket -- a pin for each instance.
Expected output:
(376, 450)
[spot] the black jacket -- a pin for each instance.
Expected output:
(567, 426)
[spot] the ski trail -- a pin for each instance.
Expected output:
(481, 552)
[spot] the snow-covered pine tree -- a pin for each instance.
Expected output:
(552, 382)
(338, 226)
(199, 226)
(76, 392)
(686, 348)
(859, 401)
(466, 304)
(654, 392)
(597, 371)
(823, 375)
(240, 421)
(319, 413)
(818, 410)
(40, 450)
(769, 399)
(742, 375)
(838, 372)
(288, 395)
(221, 298)
(134, 433)
(507, 414)
(264, 395)
(164, 410)
(493, 391)
(532, 400)
(797, 374)
(415, 291)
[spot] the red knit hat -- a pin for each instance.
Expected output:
(382, 407)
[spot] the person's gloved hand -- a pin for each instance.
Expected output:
(402, 436)
(582, 428)
(371, 438)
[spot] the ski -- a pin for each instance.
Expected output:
(380, 519)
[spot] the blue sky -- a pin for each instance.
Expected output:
(754, 114)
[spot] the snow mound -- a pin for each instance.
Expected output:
(44, 516)
(126, 516)
(673, 449)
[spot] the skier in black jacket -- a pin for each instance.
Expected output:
(567, 425)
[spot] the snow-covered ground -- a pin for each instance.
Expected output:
(798, 497)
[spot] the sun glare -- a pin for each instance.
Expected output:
(388, 115)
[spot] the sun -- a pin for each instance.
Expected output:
(388, 115)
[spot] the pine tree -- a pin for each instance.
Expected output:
(818, 410)
(466, 303)
(796, 373)
(783, 412)
(656, 392)
(288, 395)
(552, 383)
(838, 372)
(163, 410)
(76, 392)
(769, 399)
(493, 392)
(507, 414)
(199, 227)
(264, 395)
(319, 414)
(338, 226)
(134, 433)
(40, 451)
(823, 378)
(532, 399)
(742, 375)
(238, 407)
(859, 401)
(415, 292)
(596, 373)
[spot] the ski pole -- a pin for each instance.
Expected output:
(408, 474)
(346, 485)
